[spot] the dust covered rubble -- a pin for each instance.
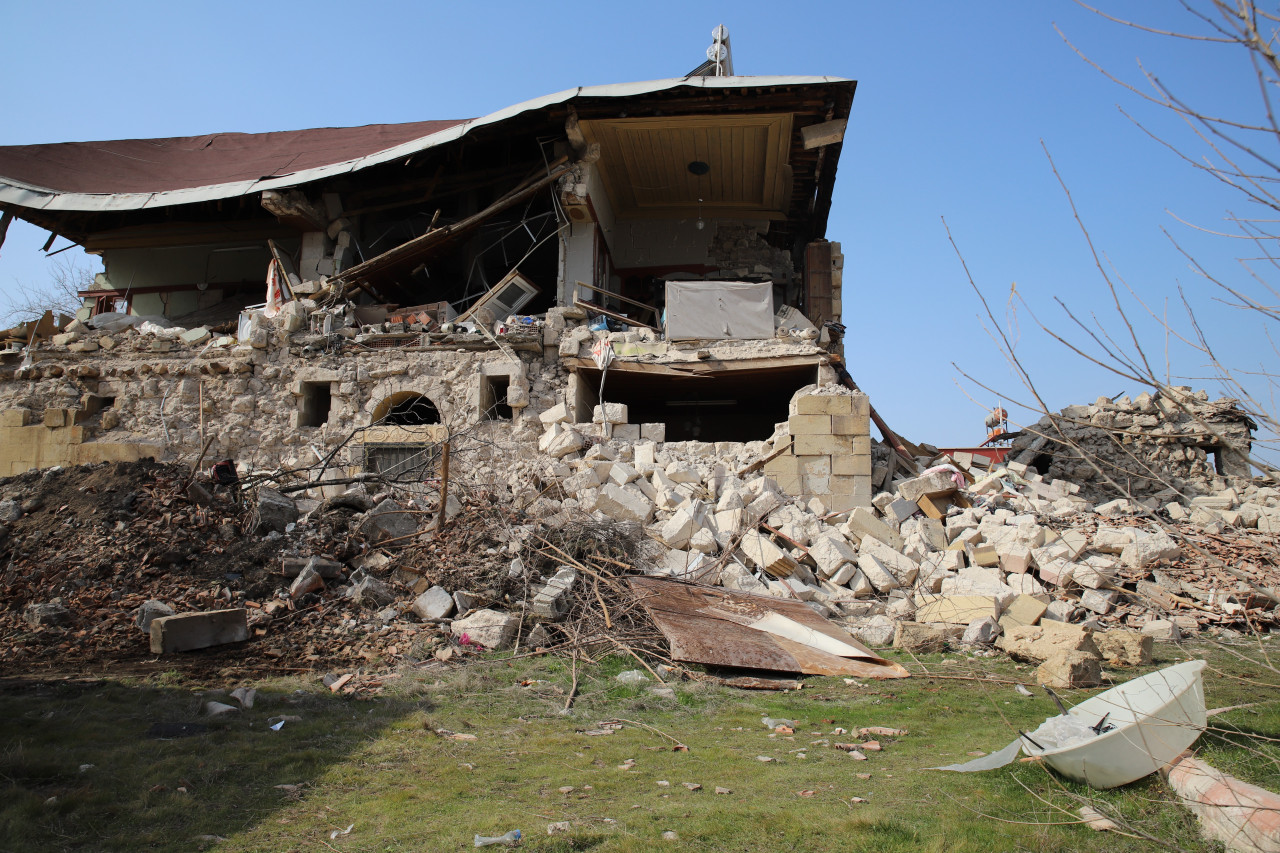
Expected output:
(962, 554)
(967, 552)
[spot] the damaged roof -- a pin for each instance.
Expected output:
(149, 173)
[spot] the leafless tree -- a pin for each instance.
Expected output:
(67, 276)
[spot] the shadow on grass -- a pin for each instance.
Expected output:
(103, 765)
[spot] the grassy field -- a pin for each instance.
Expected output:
(82, 772)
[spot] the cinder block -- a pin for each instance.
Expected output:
(818, 404)
(858, 485)
(15, 417)
(814, 466)
(626, 432)
(822, 445)
(852, 465)
(860, 406)
(653, 432)
(187, 631)
(850, 425)
(846, 503)
(809, 424)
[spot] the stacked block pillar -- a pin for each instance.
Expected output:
(829, 456)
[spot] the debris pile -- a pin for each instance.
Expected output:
(1177, 440)
(101, 558)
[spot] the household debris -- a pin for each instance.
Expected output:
(1117, 736)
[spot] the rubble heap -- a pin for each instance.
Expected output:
(961, 553)
(1173, 442)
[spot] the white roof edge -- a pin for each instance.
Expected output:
(42, 198)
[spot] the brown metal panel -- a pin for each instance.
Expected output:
(701, 624)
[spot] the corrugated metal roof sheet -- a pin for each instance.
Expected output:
(147, 173)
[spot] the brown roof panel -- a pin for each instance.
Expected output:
(185, 162)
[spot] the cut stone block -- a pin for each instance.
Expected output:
(1023, 610)
(489, 629)
(434, 604)
(1092, 576)
(902, 567)
(149, 611)
(930, 484)
(809, 424)
(1112, 540)
(981, 632)
(610, 413)
(557, 414)
(1099, 600)
(1162, 629)
(958, 609)
(274, 511)
(389, 520)
(863, 522)
(1024, 584)
(188, 631)
(564, 442)
(824, 404)
(1037, 643)
(622, 473)
(873, 630)
(762, 553)
(1070, 670)
(919, 638)
(1149, 549)
(876, 573)
(679, 529)
(737, 577)
(624, 504)
(1124, 648)
(983, 555)
(1015, 559)
(831, 552)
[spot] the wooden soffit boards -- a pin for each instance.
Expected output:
(645, 165)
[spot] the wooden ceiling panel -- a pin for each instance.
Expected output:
(645, 164)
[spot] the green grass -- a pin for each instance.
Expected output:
(378, 764)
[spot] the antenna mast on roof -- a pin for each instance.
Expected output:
(719, 56)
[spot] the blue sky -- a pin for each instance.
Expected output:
(954, 102)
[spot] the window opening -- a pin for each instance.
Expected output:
(493, 398)
(317, 398)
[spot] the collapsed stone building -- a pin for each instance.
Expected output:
(615, 300)
(658, 247)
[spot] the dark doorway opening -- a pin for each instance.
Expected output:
(726, 405)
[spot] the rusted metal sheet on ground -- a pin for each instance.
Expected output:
(710, 625)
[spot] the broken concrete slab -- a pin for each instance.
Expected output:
(189, 631)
